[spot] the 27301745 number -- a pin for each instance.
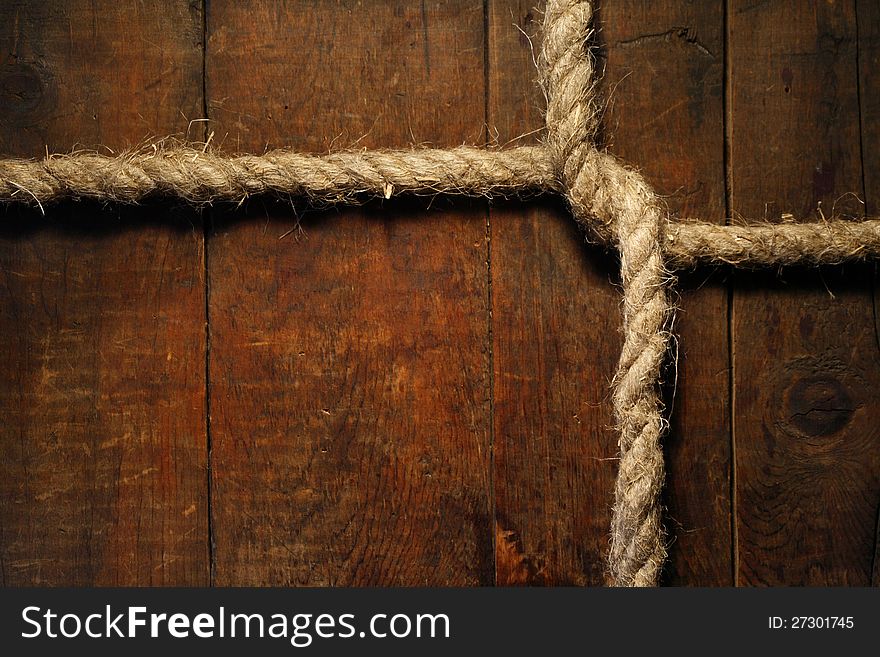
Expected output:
(811, 623)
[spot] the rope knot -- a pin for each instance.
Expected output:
(599, 189)
(607, 198)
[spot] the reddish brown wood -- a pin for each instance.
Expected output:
(868, 18)
(556, 313)
(664, 81)
(555, 337)
(363, 371)
(102, 445)
(349, 376)
(806, 367)
(868, 25)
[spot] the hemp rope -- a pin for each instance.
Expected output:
(352, 177)
(628, 214)
(205, 177)
(612, 202)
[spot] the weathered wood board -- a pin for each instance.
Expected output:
(417, 392)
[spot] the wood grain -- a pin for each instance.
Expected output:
(805, 343)
(556, 312)
(555, 338)
(349, 372)
(664, 76)
(102, 447)
(868, 23)
(417, 392)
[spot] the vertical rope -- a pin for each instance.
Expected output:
(597, 187)
(567, 75)
(638, 546)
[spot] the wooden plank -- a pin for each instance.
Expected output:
(869, 112)
(555, 338)
(102, 448)
(556, 312)
(664, 81)
(869, 100)
(349, 382)
(806, 367)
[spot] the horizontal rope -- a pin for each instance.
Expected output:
(343, 177)
(815, 243)
(349, 177)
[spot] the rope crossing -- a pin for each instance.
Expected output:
(612, 202)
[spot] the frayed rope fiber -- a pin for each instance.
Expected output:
(201, 176)
(612, 202)
(204, 177)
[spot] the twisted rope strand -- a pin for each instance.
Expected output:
(638, 547)
(344, 177)
(689, 244)
(349, 177)
(619, 207)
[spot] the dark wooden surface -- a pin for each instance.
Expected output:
(102, 446)
(805, 350)
(665, 89)
(417, 392)
(554, 346)
(349, 378)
